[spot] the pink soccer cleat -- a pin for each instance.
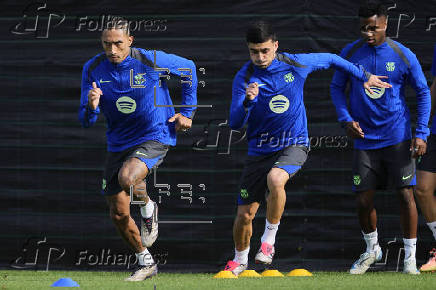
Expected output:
(431, 263)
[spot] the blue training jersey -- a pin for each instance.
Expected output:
(277, 117)
(136, 100)
(433, 72)
(383, 116)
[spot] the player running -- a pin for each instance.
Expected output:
(426, 177)
(268, 95)
(125, 84)
(379, 122)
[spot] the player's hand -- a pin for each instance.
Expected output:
(375, 81)
(94, 96)
(418, 147)
(182, 123)
(354, 131)
(252, 91)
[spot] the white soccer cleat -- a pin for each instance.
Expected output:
(365, 260)
(142, 272)
(410, 267)
(149, 228)
(265, 254)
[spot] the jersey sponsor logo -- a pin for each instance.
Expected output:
(289, 77)
(126, 105)
(244, 193)
(377, 93)
(279, 104)
(390, 66)
(356, 179)
(103, 184)
(102, 81)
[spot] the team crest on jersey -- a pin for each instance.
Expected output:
(377, 93)
(289, 77)
(137, 80)
(356, 179)
(390, 66)
(126, 105)
(279, 104)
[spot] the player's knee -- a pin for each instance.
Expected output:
(422, 191)
(125, 180)
(276, 180)
(364, 201)
(119, 217)
(406, 195)
(245, 217)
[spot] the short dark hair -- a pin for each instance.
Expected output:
(371, 8)
(118, 22)
(260, 31)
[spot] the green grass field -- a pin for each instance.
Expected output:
(13, 279)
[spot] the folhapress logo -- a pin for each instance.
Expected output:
(279, 104)
(37, 253)
(126, 105)
(377, 93)
(38, 20)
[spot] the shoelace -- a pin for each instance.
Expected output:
(149, 223)
(364, 256)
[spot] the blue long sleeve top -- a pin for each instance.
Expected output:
(277, 117)
(383, 116)
(136, 100)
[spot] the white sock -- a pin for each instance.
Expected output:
(432, 227)
(409, 248)
(269, 235)
(144, 258)
(147, 209)
(371, 240)
(241, 257)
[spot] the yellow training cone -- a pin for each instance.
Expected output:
(225, 275)
(271, 273)
(249, 273)
(299, 272)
